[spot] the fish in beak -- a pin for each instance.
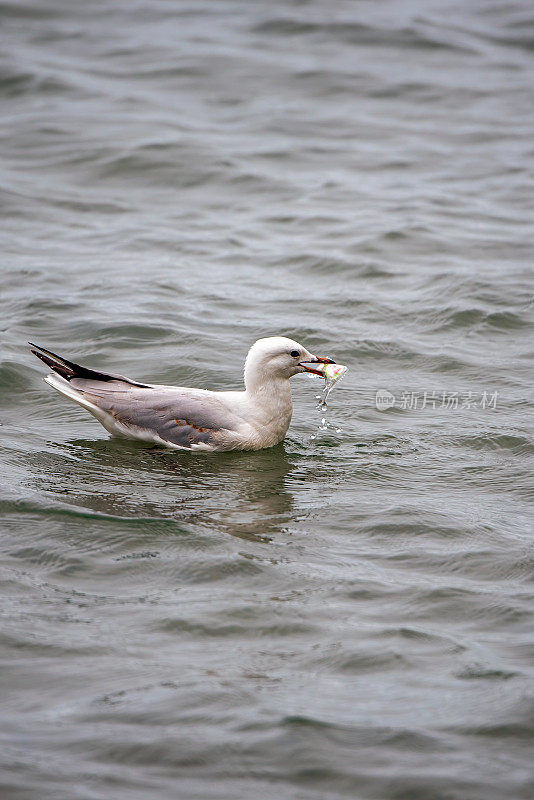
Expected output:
(315, 360)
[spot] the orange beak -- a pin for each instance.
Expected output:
(316, 360)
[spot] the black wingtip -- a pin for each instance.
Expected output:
(48, 352)
(68, 369)
(54, 362)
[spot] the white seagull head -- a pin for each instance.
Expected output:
(276, 357)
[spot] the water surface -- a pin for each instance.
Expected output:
(342, 617)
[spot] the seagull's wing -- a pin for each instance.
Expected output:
(181, 416)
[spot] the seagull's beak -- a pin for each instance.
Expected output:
(315, 360)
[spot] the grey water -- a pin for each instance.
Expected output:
(343, 617)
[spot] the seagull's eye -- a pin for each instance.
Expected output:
(294, 353)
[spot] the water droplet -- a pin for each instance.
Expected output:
(322, 407)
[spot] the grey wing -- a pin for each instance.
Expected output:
(180, 416)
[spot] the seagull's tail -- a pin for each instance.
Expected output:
(69, 379)
(78, 395)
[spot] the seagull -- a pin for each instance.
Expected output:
(184, 418)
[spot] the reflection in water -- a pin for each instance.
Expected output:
(243, 494)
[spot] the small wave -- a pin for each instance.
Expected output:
(474, 319)
(479, 672)
(518, 445)
(355, 33)
(359, 663)
(257, 627)
(14, 379)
